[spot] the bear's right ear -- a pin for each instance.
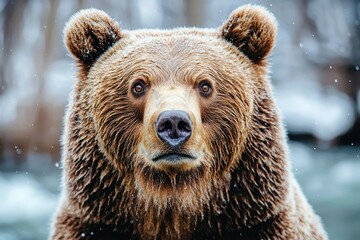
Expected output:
(252, 29)
(89, 33)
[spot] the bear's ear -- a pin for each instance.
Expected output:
(89, 33)
(252, 29)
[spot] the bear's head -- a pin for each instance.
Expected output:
(185, 116)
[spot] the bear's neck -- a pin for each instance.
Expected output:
(261, 178)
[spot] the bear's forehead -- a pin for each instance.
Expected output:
(185, 54)
(179, 47)
(178, 43)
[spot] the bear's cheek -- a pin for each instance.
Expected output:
(172, 99)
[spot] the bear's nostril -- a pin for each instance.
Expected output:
(184, 126)
(173, 127)
(165, 126)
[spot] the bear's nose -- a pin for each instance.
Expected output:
(173, 127)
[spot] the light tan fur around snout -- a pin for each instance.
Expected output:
(165, 98)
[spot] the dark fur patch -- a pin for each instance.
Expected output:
(89, 33)
(252, 30)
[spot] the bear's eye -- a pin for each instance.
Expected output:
(138, 88)
(205, 88)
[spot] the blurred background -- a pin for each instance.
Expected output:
(315, 74)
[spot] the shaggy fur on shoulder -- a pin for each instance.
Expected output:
(229, 178)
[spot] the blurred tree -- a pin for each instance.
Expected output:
(42, 124)
(11, 23)
(11, 19)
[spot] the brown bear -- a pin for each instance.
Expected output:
(174, 134)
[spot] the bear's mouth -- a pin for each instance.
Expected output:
(173, 157)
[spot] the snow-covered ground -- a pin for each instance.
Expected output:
(330, 180)
(26, 204)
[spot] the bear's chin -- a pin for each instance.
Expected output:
(180, 199)
(173, 188)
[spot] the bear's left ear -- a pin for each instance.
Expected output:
(89, 33)
(252, 29)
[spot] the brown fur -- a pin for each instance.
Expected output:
(239, 186)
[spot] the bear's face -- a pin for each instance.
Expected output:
(167, 112)
(174, 108)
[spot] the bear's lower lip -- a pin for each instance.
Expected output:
(173, 157)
